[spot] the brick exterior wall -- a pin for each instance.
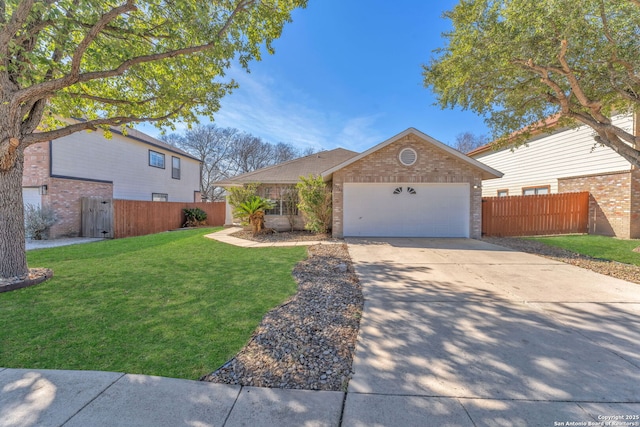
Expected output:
(614, 206)
(432, 166)
(36, 165)
(64, 196)
(635, 204)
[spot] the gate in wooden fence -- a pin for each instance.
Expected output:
(137, 218)
(97, 217)
(561, 213)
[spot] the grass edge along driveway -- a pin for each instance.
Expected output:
(173, 304)
(602, 247)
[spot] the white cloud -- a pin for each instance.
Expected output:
(276, 112)
(266, 107)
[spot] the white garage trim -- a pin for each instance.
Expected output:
(31, 196)
(407, 209)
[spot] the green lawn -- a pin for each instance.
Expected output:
(172, 304)
(597, 247)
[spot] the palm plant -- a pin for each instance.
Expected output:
(252, 211)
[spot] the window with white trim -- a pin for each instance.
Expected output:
(175, 167)
(156, 159)
(159, 197)
(534, 191)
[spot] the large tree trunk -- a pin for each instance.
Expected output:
(13, 260)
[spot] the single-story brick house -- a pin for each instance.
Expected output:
(562, 160)
(410, 185)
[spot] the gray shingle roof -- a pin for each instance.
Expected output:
(291, 171)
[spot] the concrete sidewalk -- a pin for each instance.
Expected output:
(64, 241)
(47, 398)
(224, 236)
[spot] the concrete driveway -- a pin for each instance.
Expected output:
(462, 332)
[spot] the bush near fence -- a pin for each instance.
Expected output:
(561, 213)
(137, 218)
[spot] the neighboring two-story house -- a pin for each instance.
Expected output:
(569, 160)
(134, 166)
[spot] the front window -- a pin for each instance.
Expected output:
(534, 191)
(273, 195)
(284, 199)
(159, 197)
(503, 193)
(175, 167)
(156, 159)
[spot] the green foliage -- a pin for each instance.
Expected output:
(170, 304)
(315, 203)
(290, 201)
(601, 247)
(252, 212)
(238, 195)
(38, 221)
(138, 59)
(516, 62)
(194, 217)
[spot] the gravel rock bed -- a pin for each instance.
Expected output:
(309, 341)
(285, 236)
(618, 270)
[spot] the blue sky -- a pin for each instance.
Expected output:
(347, 74)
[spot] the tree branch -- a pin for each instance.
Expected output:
(93, 33)
(51, 86)
(36, 137)
(112, 101)
(18, 18)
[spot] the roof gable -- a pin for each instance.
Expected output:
(487, 172)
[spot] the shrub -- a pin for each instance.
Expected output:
(38, 221)
(252, 212)
(239, 195)
(194, 217)
(315, 203)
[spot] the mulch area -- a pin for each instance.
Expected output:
(309, 341)
(286, 236)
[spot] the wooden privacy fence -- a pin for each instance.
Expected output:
(562, 213)
(126, 218)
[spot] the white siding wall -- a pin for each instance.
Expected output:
(124, 161)
(549, 157)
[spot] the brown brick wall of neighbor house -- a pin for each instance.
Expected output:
(65, 197)
(383, 166)
(610, 208)
(36, 165)
(635, 204)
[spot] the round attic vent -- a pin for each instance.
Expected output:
(408, 156)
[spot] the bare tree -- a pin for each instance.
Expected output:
(467, 142)
(226, 152)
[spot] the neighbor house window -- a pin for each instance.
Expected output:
(503, 193)
(175, 167)
(156, 159)
(159, 197)
(531, 191)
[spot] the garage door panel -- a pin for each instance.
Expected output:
(31, 196)
(417, 210)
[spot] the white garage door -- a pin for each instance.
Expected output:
(31, 195)
(406, 210)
